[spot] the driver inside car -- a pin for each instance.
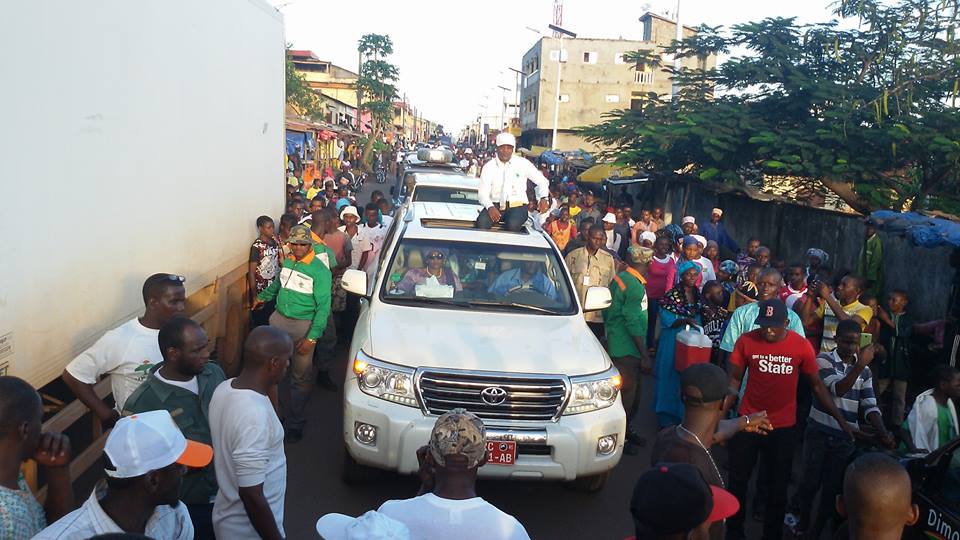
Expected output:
(527, 276)
(434, 273)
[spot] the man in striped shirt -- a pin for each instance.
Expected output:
(826, 448)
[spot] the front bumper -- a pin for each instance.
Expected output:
(562, 450)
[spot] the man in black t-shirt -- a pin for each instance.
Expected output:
(703, 388)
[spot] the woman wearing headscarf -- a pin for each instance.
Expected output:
(815, 258)
(679, 308)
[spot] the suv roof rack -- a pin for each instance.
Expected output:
(446, 223)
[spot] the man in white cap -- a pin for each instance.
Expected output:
(688, 225)
(714, 230)
(370, 526)
(503, 187)
(147, 457)
(360, 244)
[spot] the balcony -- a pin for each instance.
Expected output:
(643, 77)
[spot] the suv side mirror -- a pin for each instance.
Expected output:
(355, 282)
(597, 298)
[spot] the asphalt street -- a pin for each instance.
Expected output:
(546, 509)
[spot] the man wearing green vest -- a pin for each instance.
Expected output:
(303, 308)
(183, 385)
(870, 262)
(626, 329)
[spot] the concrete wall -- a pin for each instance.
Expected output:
(790, 229)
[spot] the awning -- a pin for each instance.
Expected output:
(551, 158)
(535, 150)
(598, 173)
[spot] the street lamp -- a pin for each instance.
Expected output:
(556, 106)
(516, 97)
(503, 109)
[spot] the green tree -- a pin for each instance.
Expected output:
(870, 111)
(376, 85)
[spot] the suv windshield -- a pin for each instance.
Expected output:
(478, 276)
(445, 195)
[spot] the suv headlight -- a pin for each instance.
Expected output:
(593, 392)
(385, 381)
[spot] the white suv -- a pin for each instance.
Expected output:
(488, 321)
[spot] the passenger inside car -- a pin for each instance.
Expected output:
(528, 276)
(433, 279)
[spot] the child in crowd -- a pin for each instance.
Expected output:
(795, 284)
(714, 316)
(873, 327)
(659, 271)
(712, 253)
(896, 328)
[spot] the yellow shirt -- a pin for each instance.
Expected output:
(830, 321)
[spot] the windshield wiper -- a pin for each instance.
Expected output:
(512, 305)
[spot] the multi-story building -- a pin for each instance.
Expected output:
(336, 86)
(594, 79)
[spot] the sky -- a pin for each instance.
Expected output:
(453, 55)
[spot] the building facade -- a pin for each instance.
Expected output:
(594, 80)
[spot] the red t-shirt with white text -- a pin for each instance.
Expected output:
(773, 371)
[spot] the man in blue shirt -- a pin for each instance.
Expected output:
(714, 230)
(527, 276)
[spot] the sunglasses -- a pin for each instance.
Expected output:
(435, 256)
(175, 278)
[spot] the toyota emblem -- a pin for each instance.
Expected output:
(493, 395)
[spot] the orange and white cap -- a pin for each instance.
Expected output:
(148, 441)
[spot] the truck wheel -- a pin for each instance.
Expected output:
(589, 484)
(354, 473)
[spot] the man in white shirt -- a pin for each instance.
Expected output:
(503, 187)
(147, 457)
(127, 352)
(250, 462)
(448, 470)
(375, 232)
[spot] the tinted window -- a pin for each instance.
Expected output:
(445, 195)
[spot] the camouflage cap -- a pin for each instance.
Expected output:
(458, 432)
(299, 234)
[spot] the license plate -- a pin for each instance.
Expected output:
(501, 452)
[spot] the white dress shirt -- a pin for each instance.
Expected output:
(507, 182)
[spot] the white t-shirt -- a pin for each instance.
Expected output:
(361, 244)
(126, 353)
(190, 386)
(430, 517)
(247, 451)
(376, 236)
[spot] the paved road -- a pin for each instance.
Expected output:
(546, 509)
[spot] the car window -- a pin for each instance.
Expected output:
(478, 276)
(445, 195)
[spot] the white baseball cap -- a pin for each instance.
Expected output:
(609, 218)
(647, 235)
(370, 526)
(701, 240)
(148, 441)
(506, 138)
(688, 219)
(349, 210)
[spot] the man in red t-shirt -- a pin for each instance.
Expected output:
(776, 357)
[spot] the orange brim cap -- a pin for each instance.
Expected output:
(724, 504)
(196, 455)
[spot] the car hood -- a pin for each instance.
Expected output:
(484, 340)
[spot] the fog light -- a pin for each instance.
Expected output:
(606, 445)
(366, 434)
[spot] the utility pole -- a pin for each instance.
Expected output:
(675, 89)
(359, 92)
(556, 105)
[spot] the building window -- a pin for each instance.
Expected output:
(562, 54)
(636, 101)
(618, 58)
(589, 58)
(643, 77)
(612, 98)
(564, 98)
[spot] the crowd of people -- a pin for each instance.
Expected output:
(794, 355)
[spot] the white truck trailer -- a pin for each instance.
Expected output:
(136, 137)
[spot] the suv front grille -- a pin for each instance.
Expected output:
(526, 397)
